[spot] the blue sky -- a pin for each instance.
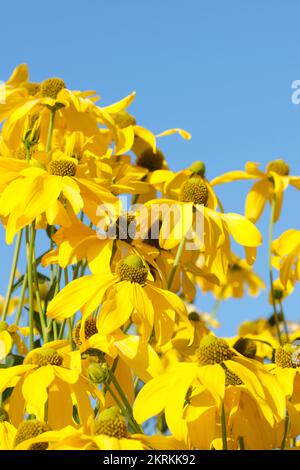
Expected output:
(222, 70)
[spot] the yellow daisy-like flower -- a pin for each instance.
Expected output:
(30, 189)
(273, 181)
(212, 237)
(7, 431)
(189, 392)
(10, 336)
(240, 276)
(107, 432)
(128, 292)
(49, 381)
(286, 369)
(286, 251)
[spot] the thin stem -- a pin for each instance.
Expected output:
(217, 304)
(125, 401)
(30, 237)
(286, 429)
(119, 403)
(55, 332)
(12, 276)
(276, 316)
(63, 325)
(281, 313)
(124, 410)
(70, 328)
(176, 263)
(62, 329)
(50, 129)
(38, 301)
(224, 431)
(21, 301)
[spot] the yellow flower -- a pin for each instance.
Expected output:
(286, 251)
(128, 292)
(239, 276)
(101, 249)
(132, 353)
(191, 394)
(280, 291)
(214, 241)
(273, 181)
(107, 432)
(7, 431)
(49, 379)
(10, 336)
(286, 369)
(15, 90)
(31, 189)
(12, 305)
(129, 135)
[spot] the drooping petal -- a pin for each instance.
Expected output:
(84, 293)
(256, 200)
(243, 231)
(35, 389)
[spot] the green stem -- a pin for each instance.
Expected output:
(70, 329)
(223, 424)
(276, 316)
(217, 304)
(12, 276)
(39, 302)
(286, 429)
(21, 301)
(62, 329)
(281, 313)
(50, 129)
(176, 263)
(115, 382)
(30, 238)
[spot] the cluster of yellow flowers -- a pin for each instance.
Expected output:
(101, 346)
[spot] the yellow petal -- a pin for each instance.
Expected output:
(243, 231)
(7, 436)
(78, 294)
(231, 176)
(140, 357)
(184, 134)
(35, 389)
(19, 75)
(256, 200)
(6, 343)
(116, 310)
(146, 135)
(121, 105)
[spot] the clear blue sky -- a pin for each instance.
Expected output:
(222, 70)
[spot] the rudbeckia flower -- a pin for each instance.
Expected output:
(10, 336)
(74, 110)
(273, 181)
(128, 292)
(49, 381)
(101, 249)
(107, 432)
(286, 251)
(198, 390)
(129, 135)
(30, 189)
(286, 369)
(214, 240)
(15, 90)
(240, 276)
(7, 431)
